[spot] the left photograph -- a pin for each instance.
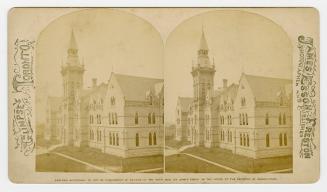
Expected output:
(99, 94)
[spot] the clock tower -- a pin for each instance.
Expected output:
(203, 73)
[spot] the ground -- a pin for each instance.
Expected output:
(175, 144)
(208, 160)
(95, 160)
(181, 163)
(59, 164)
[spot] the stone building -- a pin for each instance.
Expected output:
(123, 117)
(252, 118)
(182, 109)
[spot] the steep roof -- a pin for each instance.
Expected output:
(72, 43)
(203, 43)
(88, 92)
(267, 88)
(134, 88)
(185, 102)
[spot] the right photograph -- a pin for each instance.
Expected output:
(228, 95)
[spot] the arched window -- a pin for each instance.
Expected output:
(153, 118)
(150, 139)
(280, 139)
(267, 140)
(137, 140)
(240, 119)
(99, 119)
(116, 119)
(113, 139)
(149, 118)
(244, 139)
(117, 139)
(246, 119)
(285, 139)
(241, 139)
(280, 119)
(284, 119)
(136, 120)
(110, 138)
(151, 100)
(267, 119)
(154, 138)
(247, 140)
(243, 119)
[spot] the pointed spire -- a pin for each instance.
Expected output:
(72, 43)
(203, 42)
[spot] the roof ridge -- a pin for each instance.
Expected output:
(134, 76)
(260, 76)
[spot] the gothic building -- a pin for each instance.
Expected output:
(252, 118)
(123, 117)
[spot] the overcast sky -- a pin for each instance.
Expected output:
(238, 41)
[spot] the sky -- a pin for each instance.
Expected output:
(111, 40)
(238, 42)
(108, 40)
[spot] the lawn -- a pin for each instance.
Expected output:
(242, 163)
(185, 164)
(111, 162)
(176, 144)
(55, 163)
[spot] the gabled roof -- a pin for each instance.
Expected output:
(266, 88)
(185, 102)
(88, 92)
(134, 88)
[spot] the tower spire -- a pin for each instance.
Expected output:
(72, 43)
(203, 41)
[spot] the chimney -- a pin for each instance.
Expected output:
(94, 82)
(224, 83)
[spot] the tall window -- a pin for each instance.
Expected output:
(244, 139)
(116, 119)
(153, 118)
(136, 120)
(267, 140)
(117, 139)
(150, 139)
(154, 138)
(284, 119)
(280, 119)
(137, 140)
(243, 119)
(149, 119)
(113, 139)
(109, 118)
(285, 139)
(246, 119)
(247, 140)
(280, 139)
(267, 119)
(110, 138)
(240, 117)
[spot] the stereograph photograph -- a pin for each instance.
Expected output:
(164, 95)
